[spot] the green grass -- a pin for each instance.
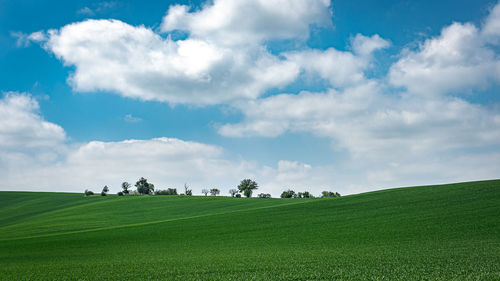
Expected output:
(447, 232)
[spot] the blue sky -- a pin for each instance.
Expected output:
(349, 96)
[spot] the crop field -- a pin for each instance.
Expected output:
(445, 232)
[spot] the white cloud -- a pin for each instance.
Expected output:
(364, 46)
(24, 40)
(383, 135)
(22, 126)
(135, 62)
(491, 28)
(86, 11)
(131, 119)
(241, 22)
(459, 61)
(339, 68)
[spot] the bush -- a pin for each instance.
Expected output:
(233, 192)
(187, 190)
(330, 194)
(305, 194)
(88, 192)
(288, 194)
(264, 195)
(168, 191)
(120, 193)
(238, 195)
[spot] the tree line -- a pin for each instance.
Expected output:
(245, 188)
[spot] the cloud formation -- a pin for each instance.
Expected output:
(226, 22)
(22, 126)
(223, 58)
(415, 125)
(462, 59)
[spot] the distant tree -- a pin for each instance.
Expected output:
(305, 194)
(205, 191)
(329, 194)
(120, 193)
(264, 195)
(168, 191)
(125, 187)
(144, 187)
(187, 190)
(105, 190)
(214, 191)
(238, 195)
(247, 186)
(233, 192)
(88, 192)
(288, 194)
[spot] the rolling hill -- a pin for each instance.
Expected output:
(445, 232)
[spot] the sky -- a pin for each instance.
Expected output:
(348, 96)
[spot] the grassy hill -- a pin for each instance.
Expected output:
(441, 232)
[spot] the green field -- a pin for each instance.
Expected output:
(446, 232)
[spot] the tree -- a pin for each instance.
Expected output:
(125, 187)
(105, 190)
(187, 190)
(233, 192)
(88, 192)
(168, 191)
(305, 194)
(329, 194)
(237, 195)
(205, 191)
(214, 191)
(288, 194)
(264, 195)
(144, 187)
(247, 186)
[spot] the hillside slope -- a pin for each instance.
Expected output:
(447, 232)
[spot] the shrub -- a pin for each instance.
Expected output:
(330, 194)
(125, 187)
(88, 192)
(187, 190)
(288, 194)
(264, 195)
(120, 193)
(233, 192)
(238, 195)
(168, 191)
(305, 194)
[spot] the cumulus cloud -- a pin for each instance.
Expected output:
(339, 68)
(384, 135)
(110, 55)
(364, 46)
(223, 58)
(240, 22)
(35, 155)
(21, 124)
(462, 59)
